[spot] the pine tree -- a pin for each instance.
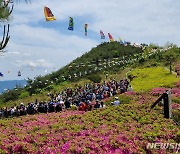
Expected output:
(5, 12)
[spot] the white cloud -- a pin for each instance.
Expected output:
(40, 63)
(14, 52)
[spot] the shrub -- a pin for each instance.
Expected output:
(130, 93)
(176, 100)
(48, 88)
(177, 67)
(23, 94)
(39, 91)
(1, 151)
(95, 78)
(11, 95)
(176, 117)
(178, 84)
(158, 91)
(124, 99)
(178, 137)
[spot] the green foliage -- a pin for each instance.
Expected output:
(2, 152)
(178, 137)
(149, 78)
(176, 117)
(170, 57)
(95, 78)
(23, 94)
(124, 99)
(39, 91)
(176, 100)
(48, 88)
(11, 95)
(4, 11)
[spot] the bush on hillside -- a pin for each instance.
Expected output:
(158, 91)
(48, 88)
(124, 99)
(178, 137)
(95, 78)
(11, 95)
(23, 94)
(176, 100)
(39, 91)
(176, 117)
(178, 84)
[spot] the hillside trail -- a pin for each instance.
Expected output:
(173, 72)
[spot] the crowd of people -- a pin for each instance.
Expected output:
(81, 98)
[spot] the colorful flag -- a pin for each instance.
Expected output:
(1, 74)
(102, 34)
(48, 14)
(85, 28)
(110, 37)
(125, 43)
(19, 73)
(121, 41)
(71, 24)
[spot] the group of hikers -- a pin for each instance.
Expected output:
(81, 98)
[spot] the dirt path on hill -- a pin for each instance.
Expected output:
(173, 72)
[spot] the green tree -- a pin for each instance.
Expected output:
(96, 78)
(170, 57)
(5, 11)
(6, 8)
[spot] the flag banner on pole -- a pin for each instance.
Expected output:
(110, 37)
(121, 41)
(102, 34)
(71, 24)
(85, 28)
(19, 73)
(48, 14)
(1, 74)
(125, 43)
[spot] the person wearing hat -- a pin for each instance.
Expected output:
(116, 102)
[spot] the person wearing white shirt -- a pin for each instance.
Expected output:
(116, 102)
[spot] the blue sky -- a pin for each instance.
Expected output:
(38, 47)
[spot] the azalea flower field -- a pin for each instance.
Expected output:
(127, 128)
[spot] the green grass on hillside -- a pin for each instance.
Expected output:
(149, 78)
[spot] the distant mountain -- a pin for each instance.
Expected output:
(11, 84)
